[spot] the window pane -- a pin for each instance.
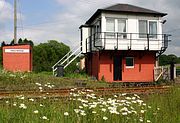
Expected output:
(121, 25)
(153, 29)
(110, 25)
(122, 28)
(142, 28)
(129, 62)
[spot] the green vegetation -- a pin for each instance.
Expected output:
(45, 55)
(26, 81)
(86, 107)
(167, 59)
(169, 104)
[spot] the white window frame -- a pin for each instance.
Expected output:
(133, 63)
(116, 27)
(156, 28)
(148, 27)
(116, 24)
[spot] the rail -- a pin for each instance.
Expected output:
(68, 58)
(103, 40)
(65, 92)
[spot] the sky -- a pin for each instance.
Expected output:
(43, 20)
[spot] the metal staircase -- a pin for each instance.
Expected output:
(67, 59)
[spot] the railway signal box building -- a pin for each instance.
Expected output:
(122, 42)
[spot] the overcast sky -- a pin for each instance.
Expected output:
(42, 20)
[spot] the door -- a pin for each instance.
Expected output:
(117, 68)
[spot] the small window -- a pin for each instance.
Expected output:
(122, 28)
(153, 29)
(110, 28)
(129, 62)
(110, 25)
(143, 28)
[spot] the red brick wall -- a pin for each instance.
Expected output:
(106, 66)
(143, 70)
(17, 61)
(92, 64)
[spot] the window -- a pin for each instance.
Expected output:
(142, 29)
(153, 29)
(122, 28)
(129, 62)
(147, 27)
(110, 25)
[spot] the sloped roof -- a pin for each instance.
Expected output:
(125, 8)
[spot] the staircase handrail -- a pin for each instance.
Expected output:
(64, 57)
(72, 59)
(70, 55)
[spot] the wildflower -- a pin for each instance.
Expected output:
(158, 108)
(89, 90)
(148, 121)
(38, 84)
(7, 102)
(124, 109)
(133, 101)
(31, 100)
(124, 113)
(85, 105)
(40, 88)
(105, 118)
(92, 106)
(103, 109)
(94, 112)
(141, 120)
(66, 113)
(14, 104)
(40, 105)
(80, 107)
(44, 97)
(36, 112)
(45, 118)
(83, 113)
(149, 106)
(142, 111)
(133, 98)
(49, 86)
(124, 94)
(23, 106)
(128, 98)
(21, 98)
(76, 110)
(115, 96)
(136, 96)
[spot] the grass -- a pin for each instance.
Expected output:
(169, 104)
(85, 107)
(82, 106)
(26, 81)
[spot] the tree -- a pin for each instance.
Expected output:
(167, 59)
(45, 55)
(25, 41)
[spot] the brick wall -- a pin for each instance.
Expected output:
(17, 58)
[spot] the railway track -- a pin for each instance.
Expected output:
(66, 91)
